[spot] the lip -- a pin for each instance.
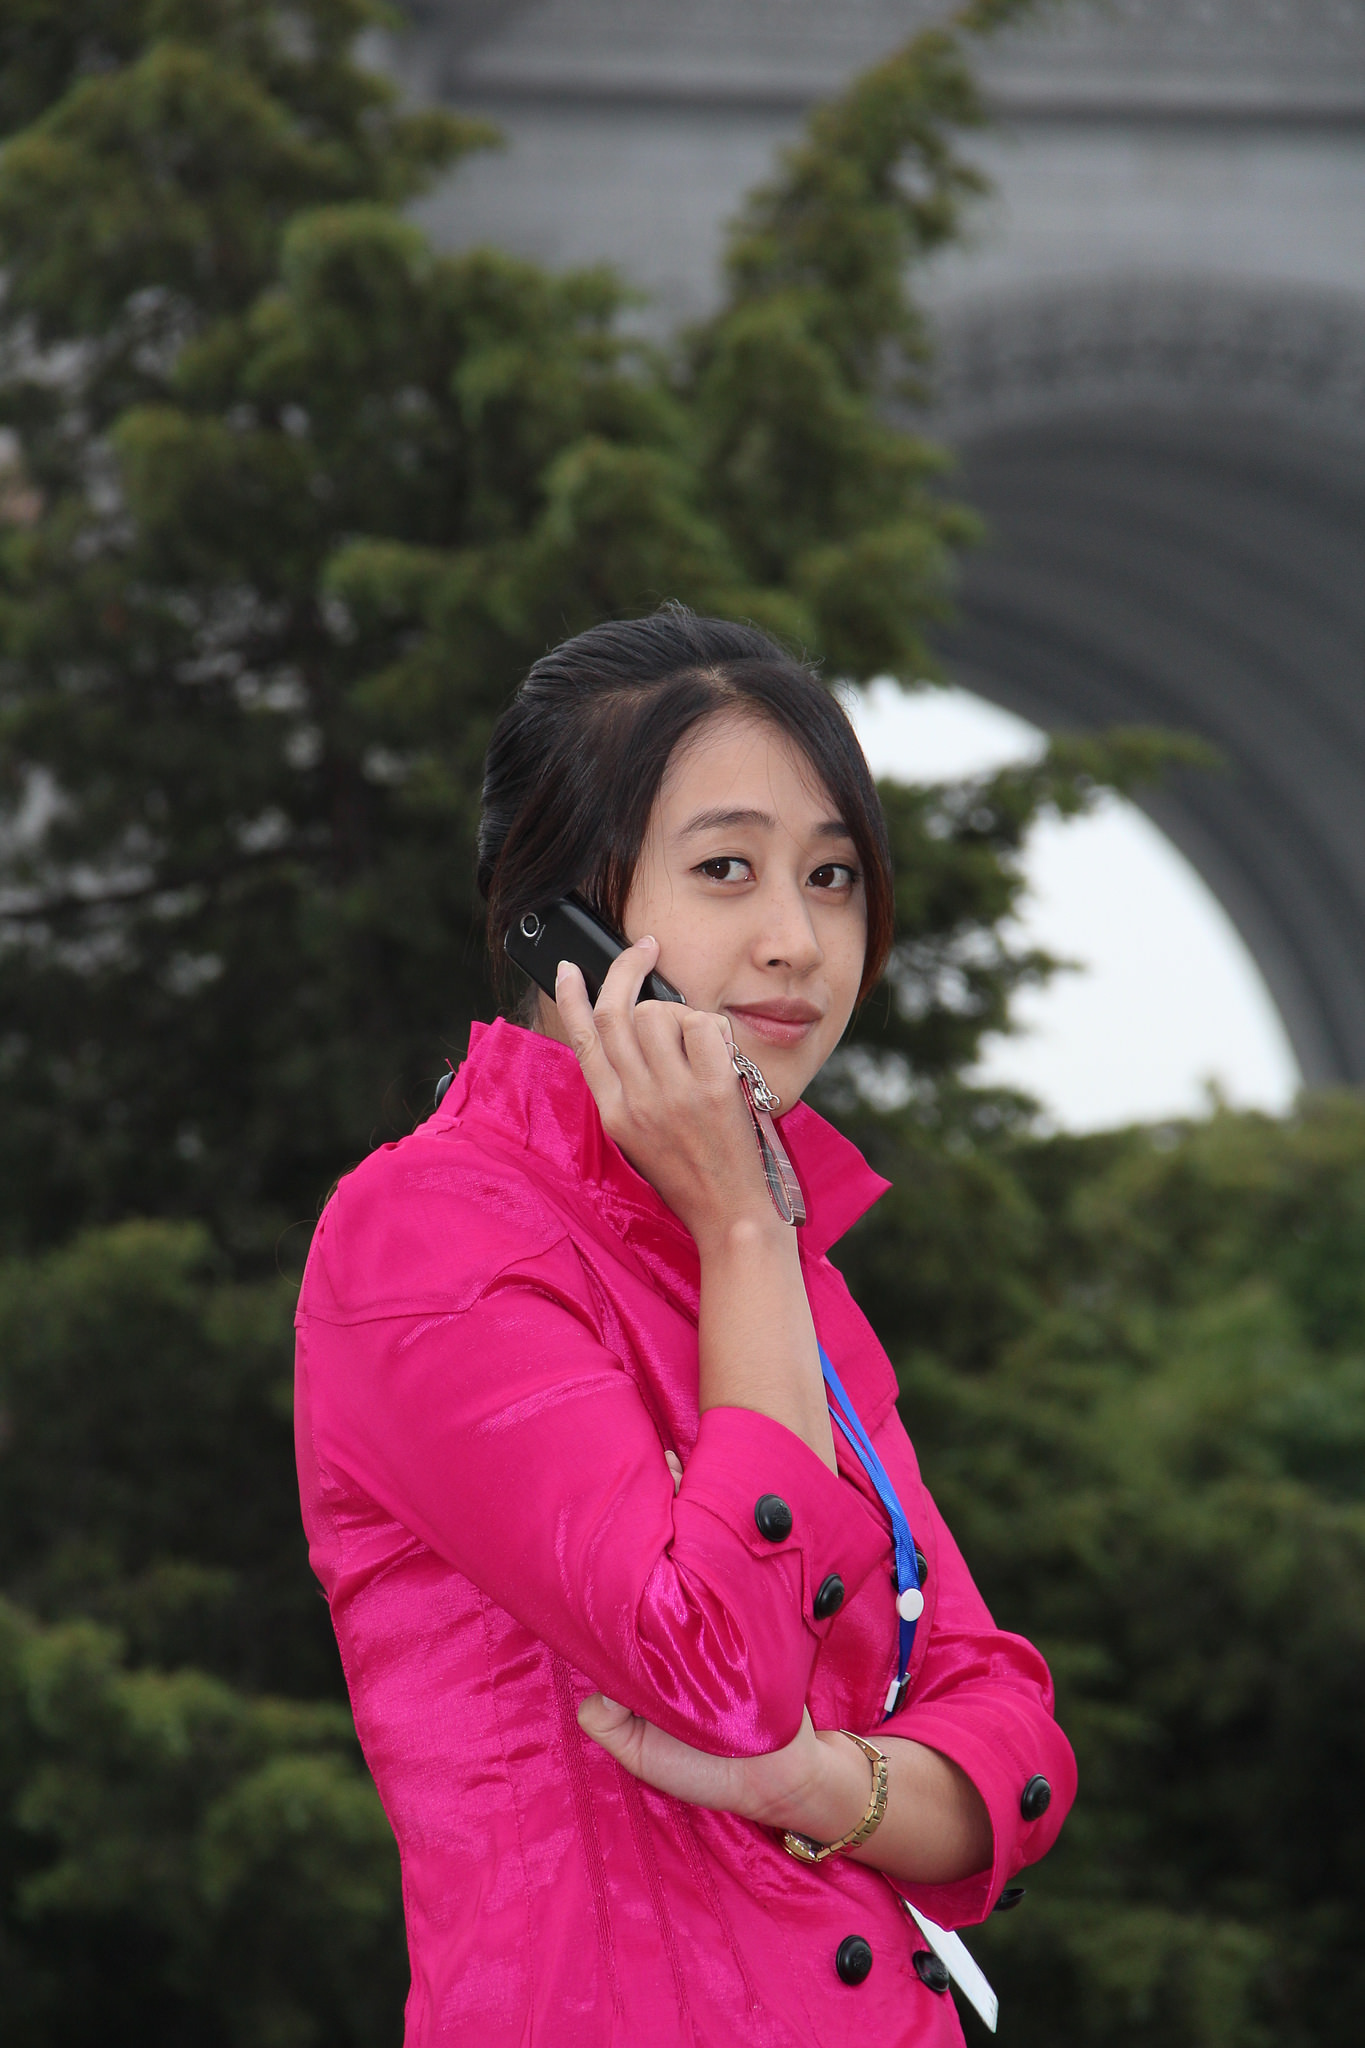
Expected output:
(785, 1020)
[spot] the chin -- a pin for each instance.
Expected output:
(789, 1074)
(793, 1091)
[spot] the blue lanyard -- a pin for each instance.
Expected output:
(909, 1598)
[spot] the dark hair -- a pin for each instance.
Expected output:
(576, 760)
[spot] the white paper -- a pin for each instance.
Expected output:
(952, 1951)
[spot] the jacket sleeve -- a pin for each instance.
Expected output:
(984, 1698)
(514, 1442)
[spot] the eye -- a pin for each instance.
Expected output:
(727, 867)
(835, 874)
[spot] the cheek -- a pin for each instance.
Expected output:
(692, 946)
(692, 965)
(845, 952)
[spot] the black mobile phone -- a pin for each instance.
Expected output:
(567, 930)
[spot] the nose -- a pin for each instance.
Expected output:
(786, 936)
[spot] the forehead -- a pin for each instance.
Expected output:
(736, 760)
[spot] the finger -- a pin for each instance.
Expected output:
(576, 1015)
(624, 979)
(687, 1058)
(674, 1465)
(708, 1044)
(709, 1027)
(668, 1032)
(615, 1008)
(659, 1032)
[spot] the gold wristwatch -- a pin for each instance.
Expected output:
(806, 1851)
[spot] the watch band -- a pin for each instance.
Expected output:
(806, 1851)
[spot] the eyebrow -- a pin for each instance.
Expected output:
(721, 820)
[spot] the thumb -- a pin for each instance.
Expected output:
(607, 1722)
(599, 1716)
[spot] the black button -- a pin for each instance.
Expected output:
(830, 1597)
(853, 1958)
(1009, 1898)
(921, 1564)
(1036, 1798)
(931, 1969)
(442, 1085)
(773, 1517)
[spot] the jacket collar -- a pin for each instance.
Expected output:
(528, 1092)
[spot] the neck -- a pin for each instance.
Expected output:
(546, 1019)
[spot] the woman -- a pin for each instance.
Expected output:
(623, 1615)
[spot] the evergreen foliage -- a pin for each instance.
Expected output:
(158, 1500)
(289, 503)
(311, 499)
(182, 1861)
(1145, 1421)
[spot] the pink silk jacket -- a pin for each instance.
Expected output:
(497, 1341)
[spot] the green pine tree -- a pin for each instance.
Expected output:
(1144, 1416)
(298, 500)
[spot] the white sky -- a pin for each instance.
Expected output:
(1168, 999)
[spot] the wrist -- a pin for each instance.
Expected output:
(808, 1848)
(836, 1798)
(739, 1237)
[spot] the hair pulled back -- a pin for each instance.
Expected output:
(576, 760)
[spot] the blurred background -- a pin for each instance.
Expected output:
(1148, 358)
(1010, 359)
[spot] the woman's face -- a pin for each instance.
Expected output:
(752, 886)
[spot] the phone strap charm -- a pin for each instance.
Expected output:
(783, 1185)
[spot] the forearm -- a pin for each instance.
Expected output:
(936, 1828)
(757, 1341)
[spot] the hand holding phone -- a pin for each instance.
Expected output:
(568, 930)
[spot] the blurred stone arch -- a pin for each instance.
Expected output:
(1150, 359)
(1173, 477)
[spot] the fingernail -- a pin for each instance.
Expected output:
(561, 971)
(648, 940)
(606, 1702)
